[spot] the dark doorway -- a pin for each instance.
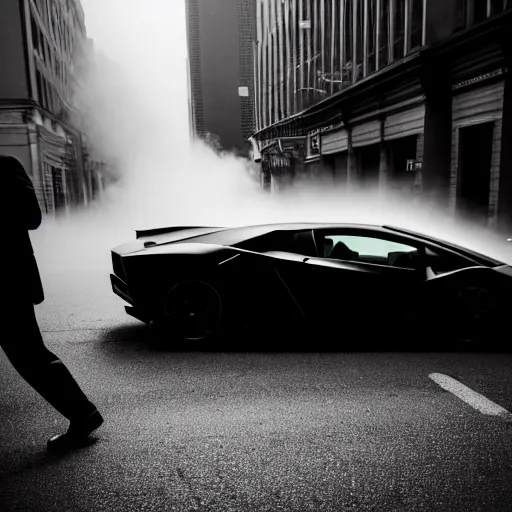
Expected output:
(474, 171)
(329, 164)
(336, 164)
(369, 163)
(340, 168)
(400, 179)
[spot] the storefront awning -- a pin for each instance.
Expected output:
(300, 124)
(53, 147)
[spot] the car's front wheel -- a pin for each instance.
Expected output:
(193, 311)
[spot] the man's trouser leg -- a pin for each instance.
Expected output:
(42, 369)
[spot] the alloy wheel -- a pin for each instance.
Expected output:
(193, 310)
(474, 308)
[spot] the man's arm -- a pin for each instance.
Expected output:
(21, 194)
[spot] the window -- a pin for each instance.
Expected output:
(399, 30)
(383, 36)
(416, 23)
(58, 187)
(35, 34)
(39, 81)
(42, 85)
(348, 34)
(47, 54)
(49, 96)
(497, 6)
(365, 249)
(461, 14)
(334, 47)
(44, 10)
(372, 35)
(479, 11)
(297, 242)
(359, 31)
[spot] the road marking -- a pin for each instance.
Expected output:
(472, 398)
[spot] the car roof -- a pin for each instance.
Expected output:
(308, 225)
(233, 235)
(236, 235)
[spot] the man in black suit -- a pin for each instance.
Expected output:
(21, 288)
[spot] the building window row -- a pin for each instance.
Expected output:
(246, 36)
(49, 97)
(471, 12)
(52, 61)
(311, 49)
(61, 24)
(194, 42)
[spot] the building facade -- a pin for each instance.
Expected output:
(412, 95)
(42, 47)
(221, 35)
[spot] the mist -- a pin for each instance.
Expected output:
(135, 107)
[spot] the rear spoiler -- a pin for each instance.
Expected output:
(140, 233)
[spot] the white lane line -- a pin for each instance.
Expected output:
(472, 398)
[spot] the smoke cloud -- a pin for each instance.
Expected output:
(135, 106)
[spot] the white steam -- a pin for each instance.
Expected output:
(135, 106)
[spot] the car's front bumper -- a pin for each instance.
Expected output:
(120, 288)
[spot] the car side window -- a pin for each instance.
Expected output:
(442, 261)
(299, 242)
(368, 249)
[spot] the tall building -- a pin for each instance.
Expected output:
(42, 46)
(414, 95)
(221, 35)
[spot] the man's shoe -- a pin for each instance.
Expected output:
(77, 433)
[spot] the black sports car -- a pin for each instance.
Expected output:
(347, 283)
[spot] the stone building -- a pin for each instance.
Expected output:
(43, 45)
(412, 95)
(221, 36)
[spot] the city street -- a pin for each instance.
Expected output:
(249, 430)
(364, 150)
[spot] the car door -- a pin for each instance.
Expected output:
(368, 277)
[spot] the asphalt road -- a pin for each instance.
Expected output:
(249, 430)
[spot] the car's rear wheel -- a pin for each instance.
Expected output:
(474, 316)
(193, 311)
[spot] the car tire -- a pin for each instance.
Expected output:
(474, 317)
(193, 313)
